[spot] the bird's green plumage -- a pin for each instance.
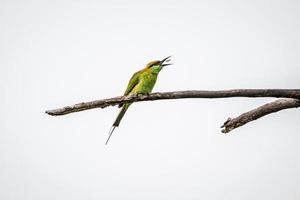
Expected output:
(142, 82)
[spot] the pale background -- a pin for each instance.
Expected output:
(56, 53)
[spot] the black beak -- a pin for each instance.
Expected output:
(167, 59)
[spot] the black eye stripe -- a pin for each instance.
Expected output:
(154, 64)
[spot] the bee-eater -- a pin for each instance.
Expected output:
(142, 82)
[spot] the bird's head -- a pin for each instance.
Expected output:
(157, 65)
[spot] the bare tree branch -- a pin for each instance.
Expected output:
(259, 112)
(278, 93)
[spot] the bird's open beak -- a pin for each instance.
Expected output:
(167, 59)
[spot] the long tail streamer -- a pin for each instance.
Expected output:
(110, 133)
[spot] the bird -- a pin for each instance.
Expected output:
(141, 82)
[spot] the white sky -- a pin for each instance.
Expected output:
(56, 53)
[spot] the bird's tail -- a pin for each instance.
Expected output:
(118, 120)
(121, 114)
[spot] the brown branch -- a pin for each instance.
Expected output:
(229, 125)
(278, 93)
(259, 112)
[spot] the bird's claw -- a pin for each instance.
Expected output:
(141, 94)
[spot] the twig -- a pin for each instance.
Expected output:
(278, 93)
(259, 112)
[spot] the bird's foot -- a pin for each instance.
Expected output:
(144, 93)
(141, 94)
(136, 95)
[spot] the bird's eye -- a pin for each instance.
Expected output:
(154, 64)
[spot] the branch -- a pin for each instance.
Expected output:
(278, 93)
(259, 112)
(229, 125)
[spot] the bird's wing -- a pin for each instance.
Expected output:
(132, 82)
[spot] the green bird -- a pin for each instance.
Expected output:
(142, 82)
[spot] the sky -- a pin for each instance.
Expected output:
(57, 53)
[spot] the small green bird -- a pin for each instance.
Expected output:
(142, 82)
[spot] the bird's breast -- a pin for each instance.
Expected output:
(147, 83)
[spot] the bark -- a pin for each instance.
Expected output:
(278, 93)
(259, 112)
(293, 101)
